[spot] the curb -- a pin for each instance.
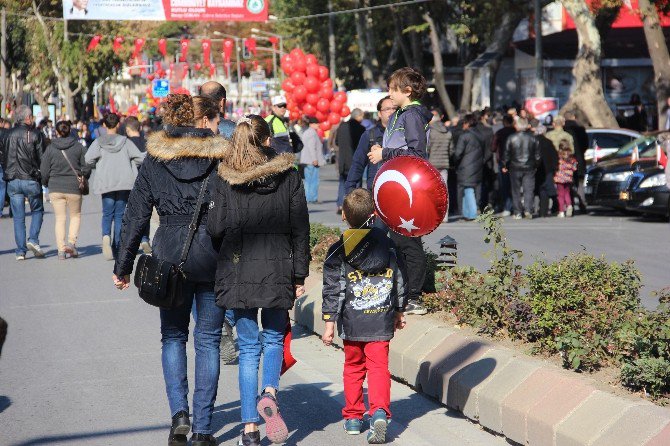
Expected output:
(526, 400)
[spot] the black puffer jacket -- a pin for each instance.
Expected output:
(260, 218)
(469, 158)
(170, 179)
(23, 147)
(363, 285)
(522, 152)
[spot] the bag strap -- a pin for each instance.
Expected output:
(193, 226)
(71, 166)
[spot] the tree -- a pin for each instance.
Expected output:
(658, 51)
(588, 96)
(438, 67)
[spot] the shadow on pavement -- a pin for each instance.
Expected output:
(5, 402)
(92, 435)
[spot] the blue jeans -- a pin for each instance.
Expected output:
(207, 338)
(270, 342)
(18, 191)
(469, 203)
(113, 207)
(3, 190)
(311, 183)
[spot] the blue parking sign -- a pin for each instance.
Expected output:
(160, 88)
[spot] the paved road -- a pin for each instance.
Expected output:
(82, 365)
(602, 232)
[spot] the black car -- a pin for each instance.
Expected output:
(648, 192)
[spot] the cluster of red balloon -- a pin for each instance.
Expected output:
(309, 90)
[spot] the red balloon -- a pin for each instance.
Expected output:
(298, 78)
(312, 84)
(287, 85)
(309, 109)
(299, 94)
(323, 105)
(310, 59)
(328, 83)
(346, 111)
(312, 98)
(299, 65)
(285, 59)
(294, 115)
(325, 126)
(296, 53)
(322, 117)
(324, 73)
(334, 118)
(321, 133)
(336, 106)
(410, 196)
(326, 93)
(340, 96)
(312, 71)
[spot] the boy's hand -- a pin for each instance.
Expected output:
(329, 333)
(375, 155)
(400, 321)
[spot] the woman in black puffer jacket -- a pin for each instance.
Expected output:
(179, 159)
(259, 212)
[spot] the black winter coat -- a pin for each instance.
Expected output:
(522, 152)
(348, 135)
(23, 148)
(581, 141)
(469, 158)
(170, 179)
(260, 218)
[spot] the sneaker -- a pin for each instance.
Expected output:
(61, 255)
(181, 426)
(203, 440)
(35, 248)
(21, 257)
(250, 439)
(275, 427)
(415, 308)
(527, 215)
(561, 215)
(70, 249)
(506, 213)
(517, 217)
(107, 247)
(353, 426)
(568, 211)
(146, 247)
(378, 425)
(228, 354)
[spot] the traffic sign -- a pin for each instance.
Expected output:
(160, 88)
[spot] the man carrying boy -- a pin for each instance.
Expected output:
(406, 134)
(364, 293)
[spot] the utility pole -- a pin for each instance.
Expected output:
(539, 62)
(331, 41)
(3, 66)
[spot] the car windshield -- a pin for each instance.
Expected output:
(643, 144)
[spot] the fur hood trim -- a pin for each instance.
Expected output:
(168, 148)
(278, 164)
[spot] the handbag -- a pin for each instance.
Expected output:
(81, 179)
(159, 282)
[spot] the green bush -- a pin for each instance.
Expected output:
(321, 238)
(649, 374)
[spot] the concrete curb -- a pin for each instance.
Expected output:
(526, 400)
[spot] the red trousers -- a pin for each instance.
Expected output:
(361, 358)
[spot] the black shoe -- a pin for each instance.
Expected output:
(203, 440)
(415, 308)
(250, 439)
(181, 426)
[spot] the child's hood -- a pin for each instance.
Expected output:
(366, 249)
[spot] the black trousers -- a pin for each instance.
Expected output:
(526, 180)
(411, 249)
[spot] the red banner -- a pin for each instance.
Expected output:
(227, 49)
(206, 51)
(184, 49)
(250, 43)
(217, 10)
(139, 44)
(162, 46)
(116, 46)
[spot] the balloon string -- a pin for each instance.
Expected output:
(347, 239)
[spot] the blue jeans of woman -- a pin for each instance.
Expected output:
(207, 338)
(18, 191)
(469, 203)
(113, 207)
(311, 183)
(252, 341)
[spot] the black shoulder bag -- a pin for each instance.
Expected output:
(159, 282)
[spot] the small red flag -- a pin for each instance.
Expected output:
(95, 41)
(250, 43)
(116, 46)
(139, 44)
(184, 49)
(206, 50)
(227, 49)
(661, 157)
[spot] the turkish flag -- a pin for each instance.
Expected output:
(162, 46)
(139, 44)
(206, 50)
(661, 157)
(227, 50)
(540, 107)
(95, 41)
(116, 46)
(250, 43)
(289, 361)
(184, 49)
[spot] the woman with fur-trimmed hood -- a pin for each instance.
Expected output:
(259, 212)
(179, 159)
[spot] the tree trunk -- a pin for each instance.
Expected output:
(415, 42)
(392, 59)
(406, 54)
(658, 51)
(588, 96)
(438, 69)
(363, 55)
(370, 43)
(332, 49)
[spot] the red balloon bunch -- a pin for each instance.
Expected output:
(309, 90)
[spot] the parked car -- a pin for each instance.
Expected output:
(648, 192)
(608, 140)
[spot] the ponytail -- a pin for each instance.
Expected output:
(248, 138)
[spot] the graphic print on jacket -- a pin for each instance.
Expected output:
(363, 285)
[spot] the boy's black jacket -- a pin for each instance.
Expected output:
(363, 285)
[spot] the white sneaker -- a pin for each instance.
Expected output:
(37, 251)
(561, 215)
(107, 247)
(568, 211)
(517, 217)
(21, 257)
(506, 213)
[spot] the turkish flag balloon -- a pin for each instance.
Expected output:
(323, 105)
(287, 85)
(325, 126)
(312, 84)
(323, 73)
(312, 71)
(346, 111)
(299, 93)
(310, 59)
(341, 97)
(410, 196)
(312, 98)
(298, 78)
(326, 93)
(334, 118)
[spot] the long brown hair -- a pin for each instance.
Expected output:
(248, 138)
(178, 110)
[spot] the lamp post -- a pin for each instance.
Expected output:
(539, 63)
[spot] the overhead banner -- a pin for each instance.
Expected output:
(190, 10)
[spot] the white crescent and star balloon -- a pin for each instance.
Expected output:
(410, 196)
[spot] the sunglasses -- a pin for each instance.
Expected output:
(281, 105)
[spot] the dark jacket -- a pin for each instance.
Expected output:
(363, 285)
(499, 141)
(23, 148)
(260, 216)
(544, 177)
(140, 142)
(360, 160)
(522, 152)
(57, 174)
(440, 146)
(581, 141)
(179, 159)
(469, 159)
(348, 135)
(407, 132)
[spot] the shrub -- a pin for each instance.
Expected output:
(321, 237)
(649, 374)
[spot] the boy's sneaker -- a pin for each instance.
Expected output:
(250, 439)
(415, 308)
(107, 247)
(568, 211)
(227, 352)
(35, 248)
(353, 426)
(275, 427)
(378, 425)
(561, 215)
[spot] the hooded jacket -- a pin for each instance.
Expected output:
(259, 217)
(178, 160)
(57, 174)
(23, 147)
(407, 132)
(115, 159)
(363, 285)
(469, 156)
(440, 146)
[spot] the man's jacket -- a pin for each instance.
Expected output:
(522, 152)
(23, 147)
